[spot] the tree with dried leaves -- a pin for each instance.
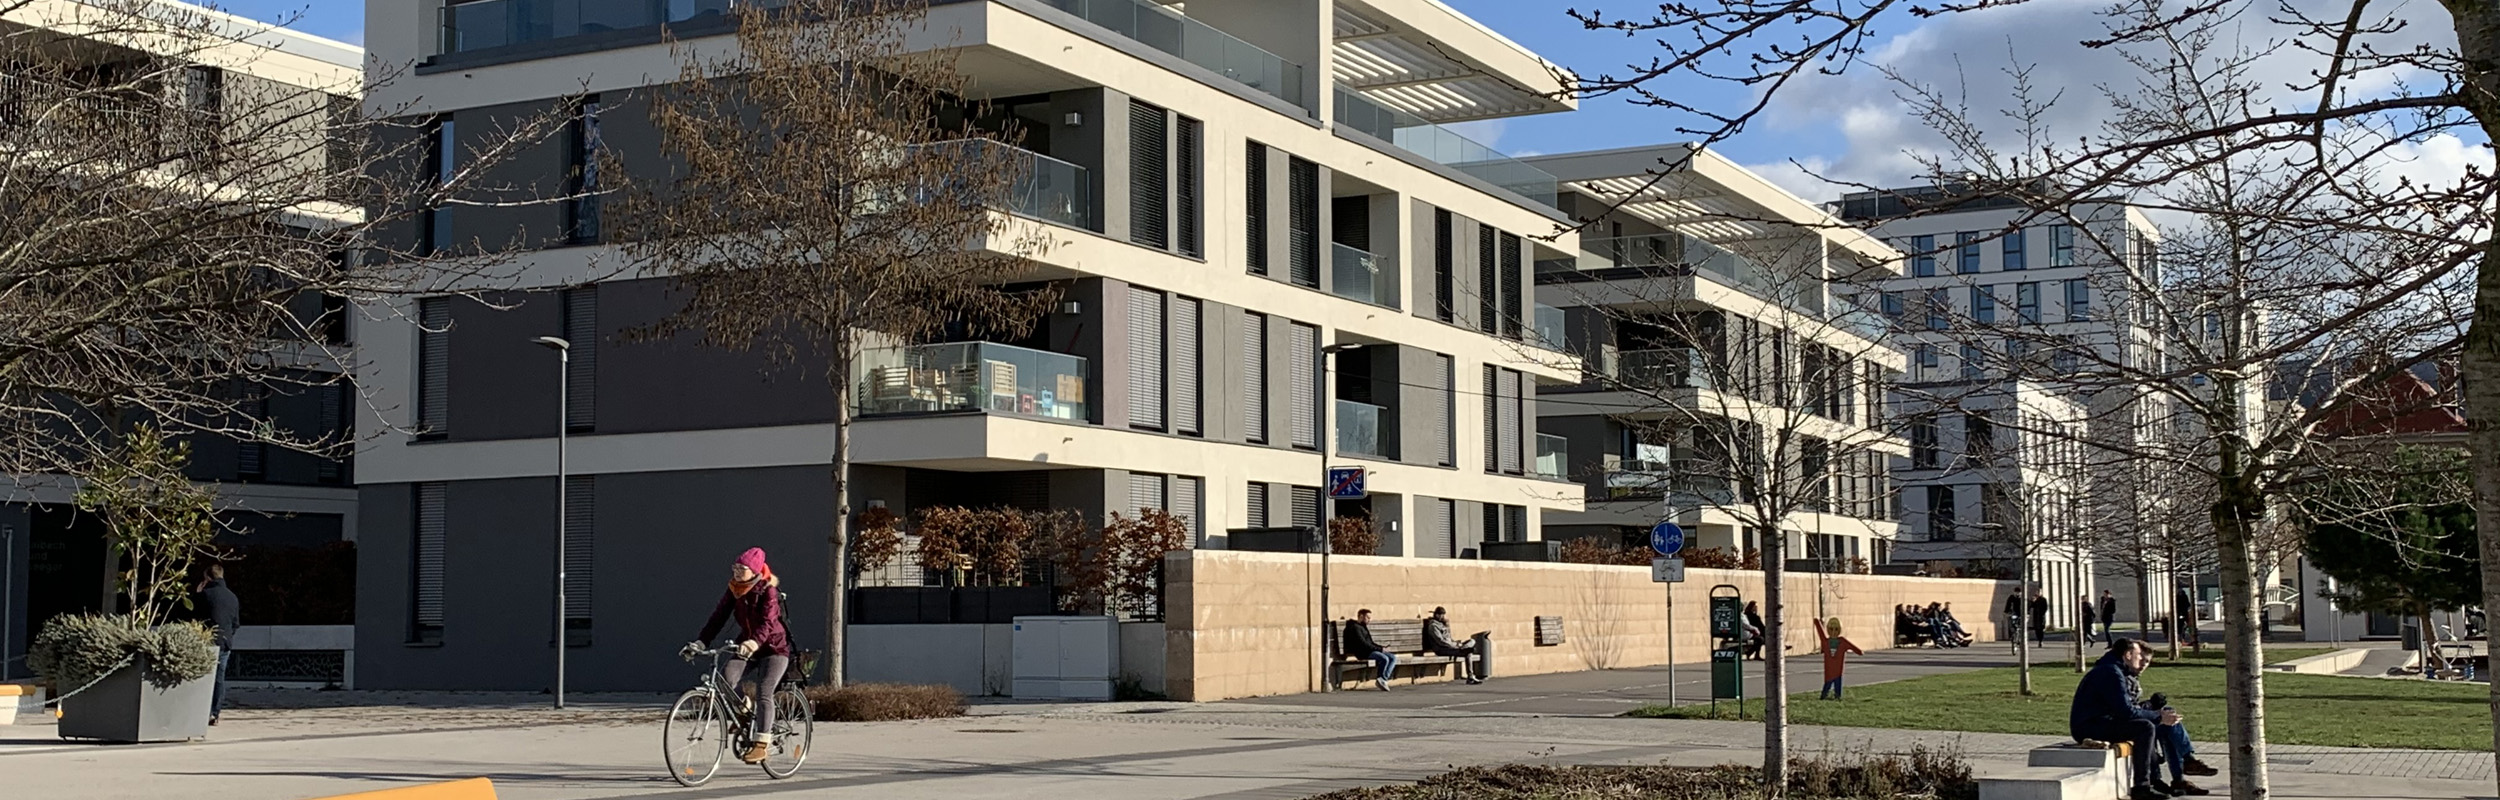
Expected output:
(829, 190)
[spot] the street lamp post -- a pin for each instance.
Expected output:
(1327, 504)
(564, 423)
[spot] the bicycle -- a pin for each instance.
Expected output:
(709, 719)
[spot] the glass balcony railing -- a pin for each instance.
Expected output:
(495, 23)
(1364, 276)
(1195, 42)
(1669, 368)
(1553, 456)
(1046, 188)
(1654, 479)
(1445, 147)
(1358, 429)
(1678, 254)
(972, 376)
(1550, 328)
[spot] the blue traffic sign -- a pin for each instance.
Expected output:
(1666, 538)
(1346, 483)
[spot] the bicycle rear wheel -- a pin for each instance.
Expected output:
(794, 731)
(694, 737)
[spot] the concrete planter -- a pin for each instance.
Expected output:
(125, 708)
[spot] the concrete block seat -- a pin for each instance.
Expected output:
(2070, 771)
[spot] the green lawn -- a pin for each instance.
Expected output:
(2300, 709)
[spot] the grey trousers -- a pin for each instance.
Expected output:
(768, 678)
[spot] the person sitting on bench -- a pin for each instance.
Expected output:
(1437, 642)
(1946, 630)
(2176, 750)
(2103, 712)
(1754, 628)
(1358, 642)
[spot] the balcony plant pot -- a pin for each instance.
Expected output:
(125, 707)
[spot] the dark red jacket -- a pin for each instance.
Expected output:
(759, 618)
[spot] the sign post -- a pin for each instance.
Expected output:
(1727, 668)
(1667, 539)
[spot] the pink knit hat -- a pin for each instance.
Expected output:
(753, 559)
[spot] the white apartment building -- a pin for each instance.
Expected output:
(1701, 301)
(1995, 478)
(1234, 187)
(187, 99)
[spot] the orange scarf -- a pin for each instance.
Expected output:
(740, 589)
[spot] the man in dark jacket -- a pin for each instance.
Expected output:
(225, 614)
(2039, 617)
(1358, 642)
(1437, 641)
(2104, 712)
(2014, 615)
(2109, 612)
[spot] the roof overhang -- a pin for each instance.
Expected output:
(1423, 58)
(1692, 190)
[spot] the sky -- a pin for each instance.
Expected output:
(1850, 127)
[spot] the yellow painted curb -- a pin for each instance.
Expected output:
(471, 789)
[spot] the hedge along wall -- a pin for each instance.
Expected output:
(1243, 624)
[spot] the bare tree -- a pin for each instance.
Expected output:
(830, 189)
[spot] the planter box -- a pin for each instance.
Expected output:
(124, 708)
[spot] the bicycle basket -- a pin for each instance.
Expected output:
(805, 668)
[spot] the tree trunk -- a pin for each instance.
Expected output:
(2481, 363)
(837, 543)
(1774, 666)
(2083, 623)
(2243, 639)
(2023, 621)
(2144, 603)
(2179, 617)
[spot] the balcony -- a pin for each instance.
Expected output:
(1553, 457)
(489, 24)
(1195, 42)
(1549, 329)
(1358, 429)
(972, 376)
(1363, 276)
(1675, 254)
(1046, 188)
(1643, 479)
(1669, 368)
(114, 120)
(1445, 147)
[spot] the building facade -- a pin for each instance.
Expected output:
(1231, 191)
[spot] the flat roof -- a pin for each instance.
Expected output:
(1690, 188)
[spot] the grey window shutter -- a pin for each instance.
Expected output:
(1145, 359)
(1145, 491)
(1444, 293)
(1492, 419)
(1187, 183)
(1302, 221)
(1187, 390)
(1513, 306)
(1149, 177)
(1304, 389)
(581, 372)
(1488, 280)
(1185, 495)
(1492, 522)
(1510, 421)
(1514, 523)
(581, 509)
(1254, 377)
(1445, 429)
(1258, 505)
(1444, 532)
(1256, 179)
(434, 365)
(1306, 506)
(426, 586)
(250, 456)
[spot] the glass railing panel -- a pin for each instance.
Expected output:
(1553, 455)
(1045, 188)
(1670, 368)
(972, 376)
(1550, 327)
(1362, 275)
(1358, 428)
(1195, 42)
(1445, 147)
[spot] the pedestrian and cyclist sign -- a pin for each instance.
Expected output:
(1667, 538)
(1346, 483)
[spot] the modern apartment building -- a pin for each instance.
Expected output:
(1231, 190)
(200, 96)
(1995, 289)
(1701, 299)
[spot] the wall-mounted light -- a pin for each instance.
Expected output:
(1071, 308)
(1074, 119)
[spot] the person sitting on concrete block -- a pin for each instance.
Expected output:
(2103, 711)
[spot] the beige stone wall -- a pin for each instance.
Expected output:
(1242, 624)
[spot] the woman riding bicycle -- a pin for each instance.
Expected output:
(754, 597)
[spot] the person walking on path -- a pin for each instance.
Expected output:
(1836, 650)
(2109, 613)
(2039, 617)
(225, 615)
(2090, 615)
(2186, 613)
(754, 598)
(1437, 641)
(1359, 643)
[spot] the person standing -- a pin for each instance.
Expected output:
(2039, 617)
(1437, 641)
(754, 598)
(2186, 613)
(2090, 615)
(2109, 613)
(1836, 650)
(1359, 643)
(225, 615)
(1754, 629)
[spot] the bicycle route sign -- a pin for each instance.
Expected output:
(1667, 538)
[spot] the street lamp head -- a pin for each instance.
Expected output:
(556, 342)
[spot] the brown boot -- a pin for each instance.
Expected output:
(756, 751)
(2198, 768)
(2182, 788)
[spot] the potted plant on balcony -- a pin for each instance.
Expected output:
(133, 676)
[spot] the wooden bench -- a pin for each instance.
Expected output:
(1404, 637)
(1911, 637)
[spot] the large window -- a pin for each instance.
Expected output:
(1488, 276)
(1983, 305)
(1922, 256)
(1979, 436)
(444, 155)
(1513, 306)
(1941, 524)
(1256, 180)
(1302, 222)
(1444, 269)
(2027, 303)
(2078, 300)
(1966, 252)
(581, 146)
(1974, 362)
(2013, 250)
(2061, 245)
(1939, 310)
(1923, 448)
(1149, 175)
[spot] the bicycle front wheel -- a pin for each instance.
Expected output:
(794, 730)
(693, 737)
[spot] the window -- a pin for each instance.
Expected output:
(1258, 505)
(581, 510)
(1511, 310)
(2061, 245)
(1973, 362)
(1303, 352)
(1186, 389)
(1444, 271)
(1939, 310)
(425, 585)
(1941, 525)
(1440, 529)
(1983, 305)
(2027, 303)
(1966, 252)
(251, 454)
(1492, 418)
(1488, 269)
(1979, 436)
(1256, 180)
(1923, 448)
(1925, 356)
(1892, 305)
(333, 419)
(1186, 495)
(203, 126)
(1146, 338)
(1922, 256)
(581, 152)
(433, 366)
(343, 151)
(1514, 523)
(445, 155)
(1189, 184)
(1302, 222)
(2078, 300)
(581, 360)
(1445, 429)
(1254, 377)
(2012, 250)
(1149, 176)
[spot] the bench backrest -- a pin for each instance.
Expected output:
(1394, 635)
